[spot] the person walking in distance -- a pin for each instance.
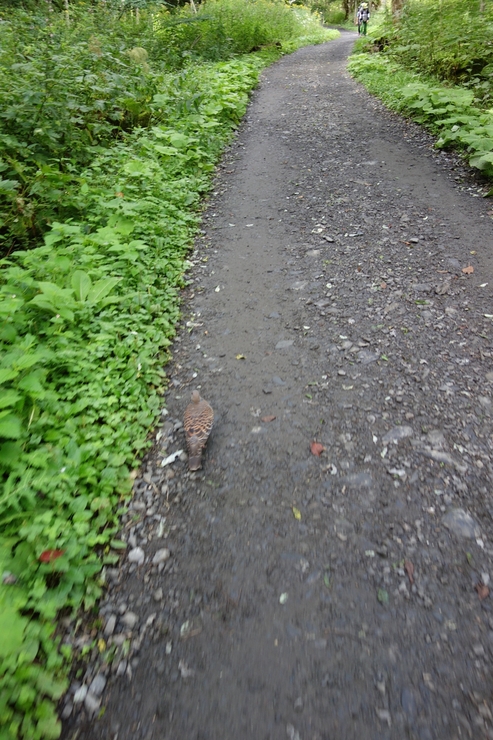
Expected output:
(358, 21)
(363, 18)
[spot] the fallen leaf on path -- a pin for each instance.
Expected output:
(296, 513)
(468, 270)
(316, 448)
(483, 591)
(48, 556)
(383, 286)
(240, 357)
(383, 596)
(409, 568)
(266, 419)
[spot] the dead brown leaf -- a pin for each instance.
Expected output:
(316, 448)
(409, 568)
(383, 286)
(468, 270)
(266, 419)
(483, 591)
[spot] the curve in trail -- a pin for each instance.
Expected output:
(334, 596)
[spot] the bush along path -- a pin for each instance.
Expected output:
(74, 421)
(327, 573)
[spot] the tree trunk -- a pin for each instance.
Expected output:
(396, 6)
(67, 13)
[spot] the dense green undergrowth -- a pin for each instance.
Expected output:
(447, 111)
(66, 92)
(436, 65)
(101, 186)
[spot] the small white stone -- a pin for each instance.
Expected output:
(110, 625)
(136, 555)
(161, 556)
(80, 694)
(91, 703)
(97, 684)
(130, 619)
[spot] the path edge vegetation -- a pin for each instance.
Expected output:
(434, 64)
(87, 316)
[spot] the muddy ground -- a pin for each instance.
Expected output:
(282, 594)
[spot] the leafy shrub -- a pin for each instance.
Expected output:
(450, 40)
(448, 111)
(86, 322)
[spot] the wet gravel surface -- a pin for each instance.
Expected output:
(279, 593)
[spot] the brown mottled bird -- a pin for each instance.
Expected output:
(197, 422)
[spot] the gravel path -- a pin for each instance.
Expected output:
(279, 594)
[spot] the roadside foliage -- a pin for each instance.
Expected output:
(108, 143)
(434, 62)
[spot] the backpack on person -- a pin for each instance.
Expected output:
(364, 15)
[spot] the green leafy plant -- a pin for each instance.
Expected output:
(449, 112)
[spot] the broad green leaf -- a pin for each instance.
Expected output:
(47, 685)
(101, 289)
(9, 453)
(12, 627)
(10, 428)
(49, 728)
(63, 311)
(32, 382)
(170, 150)
(9, 185)
(7, 374)
(136, 167)
(482, 160)
(9, 398)
(81, 283)
(179, 141)
(123, 226)
(29, 359)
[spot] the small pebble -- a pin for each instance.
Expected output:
(92, 703)
(161, 556)
(136, 555)
(97, 684)
(130, 619)
(461, 524)
(80, 694)
(110, 625)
